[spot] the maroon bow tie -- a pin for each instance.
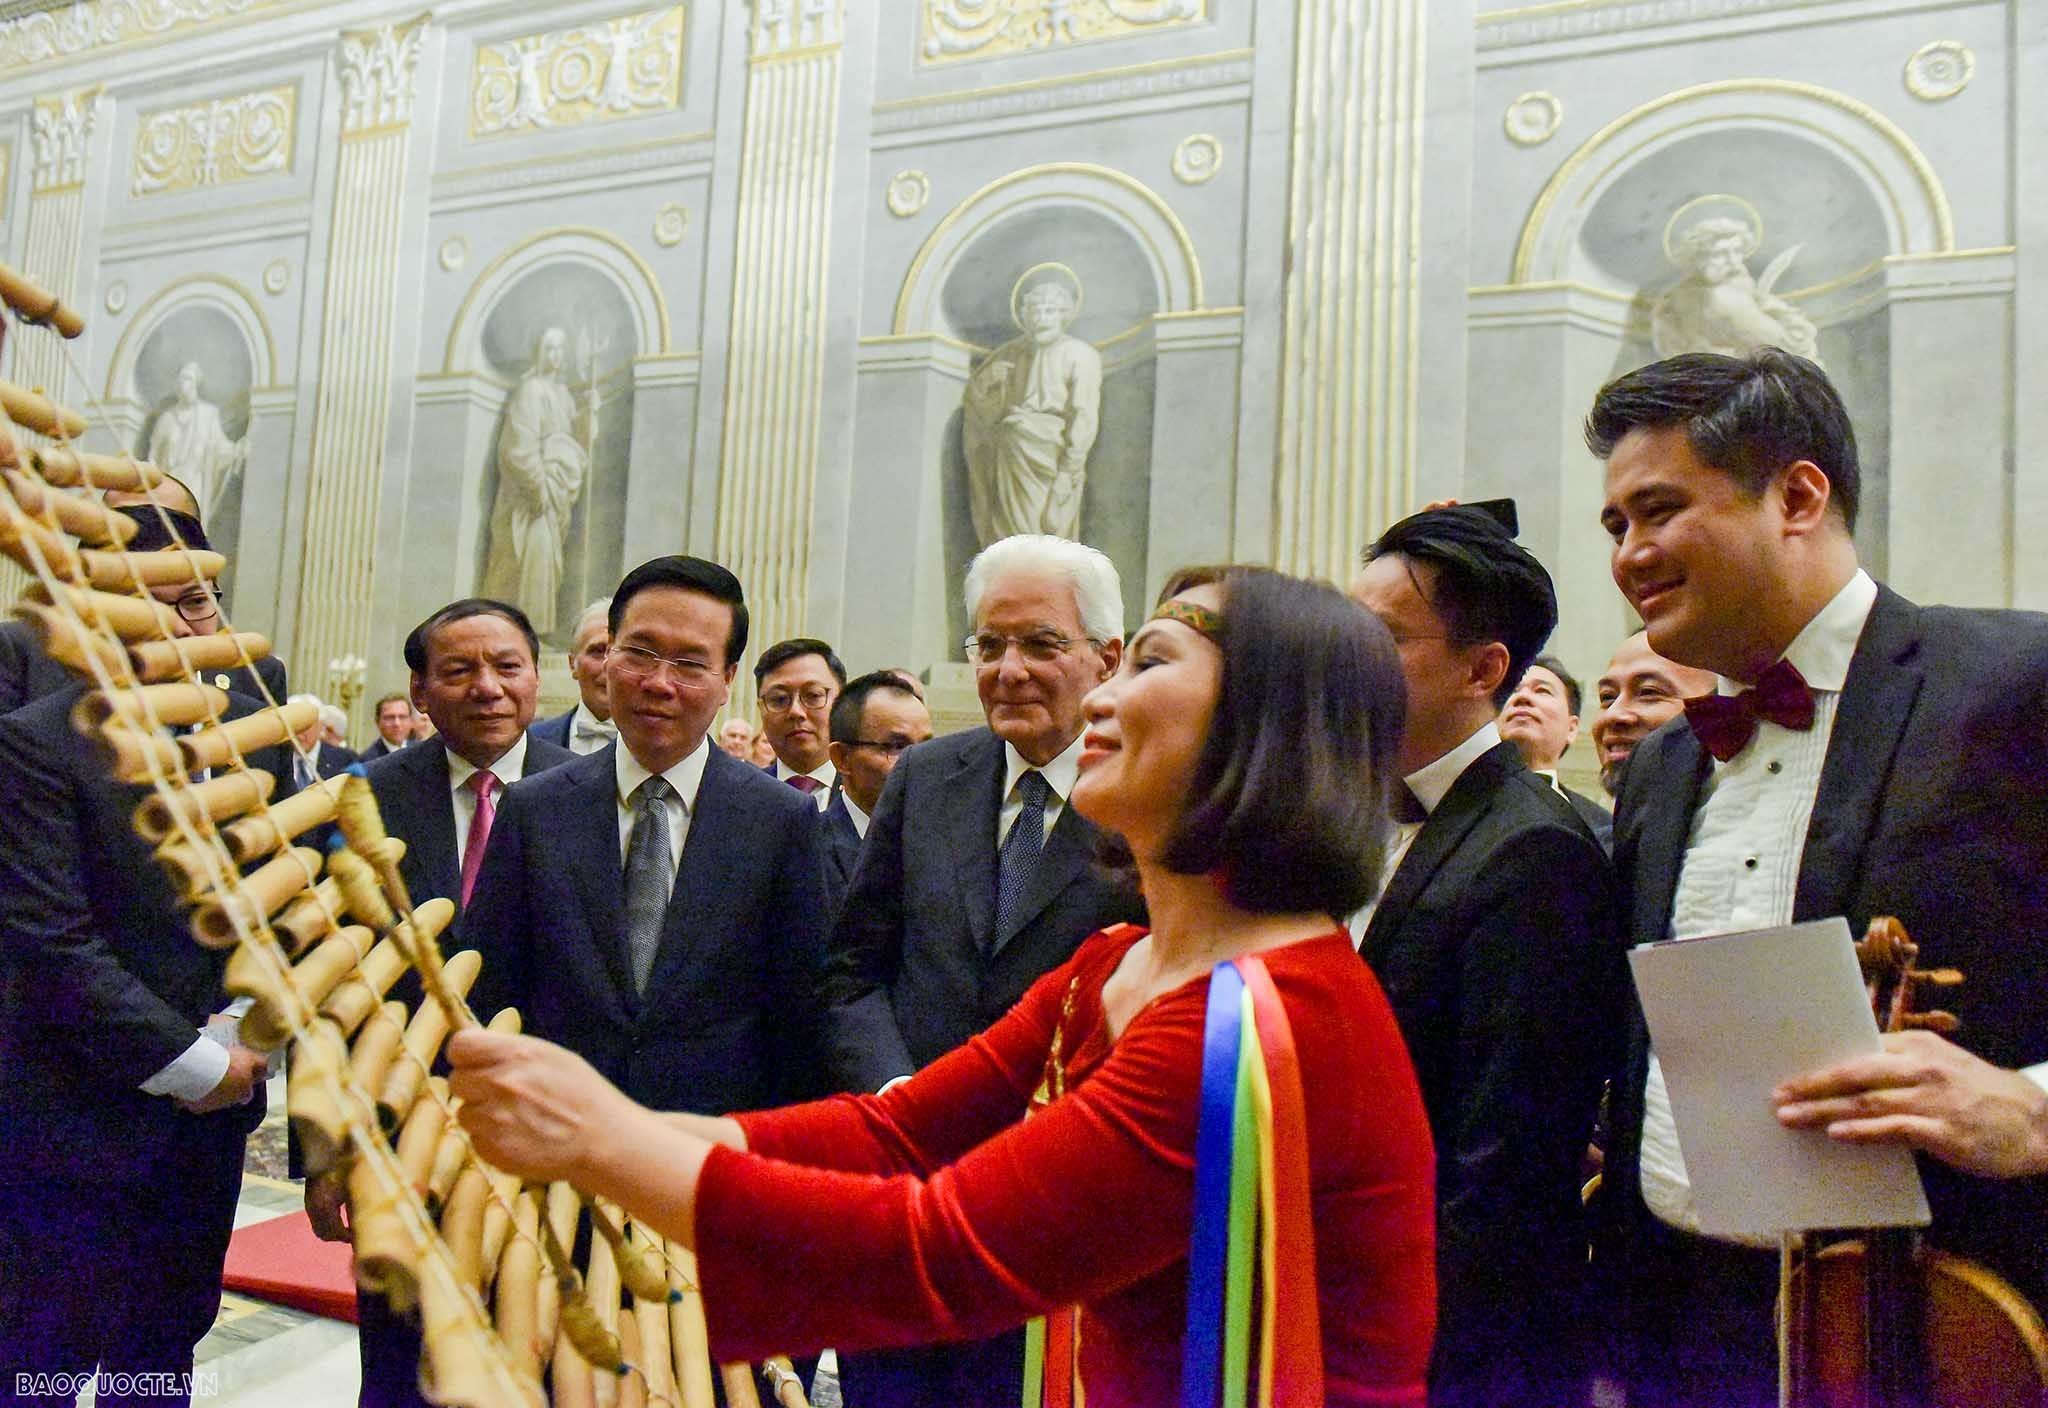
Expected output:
(1726, 722)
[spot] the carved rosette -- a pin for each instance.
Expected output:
(622, 67)
(214, 143)
(1939, 71)
(454, 253)
(987, 29)
(671, 223)
(61, 129)
(1197, 159)
(378, 68)
(908, 191)
(1532, 119)
(277, 276)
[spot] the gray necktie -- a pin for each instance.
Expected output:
(649, 874)
(1017, 862)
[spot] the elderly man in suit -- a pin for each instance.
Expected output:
(1497, 941)
(1859, 756)
(654, 906)
(874, 721)
(976, 878)
(587, 727)
(127, 1095)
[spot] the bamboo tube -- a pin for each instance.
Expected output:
(655, 1359)
(451, 1155)
(135, 757)
(68, 469)
(36, 548)
(350, 1005)
(254, 837)
(192, 870)
(633, 1387)
(86, 519)
(420, 1136)
(312, 1096)
(497, 1220)
(150, 706)
(154, 660)
(571, 1380)
(689, 1339)
(785, 1383)
(423, 1037)
(462, 1224)
(460, 1364)
(266, 1026)
(375, 1046)
(739, 1386)
(219, 920)
(129, 617)
(202, 805)
(639, 1262)
(312, 917)
(516, 1298)
(77, 650)
(218, 744)
(32, 303)
(601, 1282)
(39, 413)
(387, 1257)
(124, 572)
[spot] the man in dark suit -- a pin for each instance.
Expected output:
(796, 681)
(654, 906)
(394, 727)
(127, 1094)
(586, 728)
(1497, 941)
(1541, 718)
(320, 759)
(1862, 756)
(875, 719)
(976, 878)
(474, 673)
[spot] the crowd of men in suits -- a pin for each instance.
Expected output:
(717, 931)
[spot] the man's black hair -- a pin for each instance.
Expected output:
(416, 640)
(852, 702)
(692, 574)
(784, 651)
(1572, 693)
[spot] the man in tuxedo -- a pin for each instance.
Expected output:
(128, 1096)
(1497, 941)
(1860, 756)
(587, 727)
(654, 906)
(874, 721)
(474, 674)
(797, 680)
(976, 878)
(1541, 718)
(394, 727)
(1638, 693)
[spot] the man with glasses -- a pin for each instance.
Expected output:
(976, 878)
(874, 721)
(797, 681)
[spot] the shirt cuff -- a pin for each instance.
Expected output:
(2037, 1074)
(893, 1081)
(194, 1074)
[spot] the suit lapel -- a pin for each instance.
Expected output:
(1670, 792)
(1439, 839)
(971, 800)
(590, 835)
(435, 836)
(1870, 721)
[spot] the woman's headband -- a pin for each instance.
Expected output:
(1201, 618)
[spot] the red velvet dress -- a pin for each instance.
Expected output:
(937, 1211)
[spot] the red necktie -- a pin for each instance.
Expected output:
(483, 783)
(805, 785)
(1726, 722)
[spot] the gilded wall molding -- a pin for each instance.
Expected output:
(956, 30)
(379, 68)
(1164, 78)
(687, 155)
(61, 130)
(83, 27)
(216, 142)
(1582, 19)
(627, 66)
(794, 29)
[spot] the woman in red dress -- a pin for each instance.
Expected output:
(1241, 752)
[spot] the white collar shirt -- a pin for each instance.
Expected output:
(508, 769)
(859, 818)
(588, 733)
(685, 779)
(1060, 776)
(1431, 783)
(1741, 865)
(823, 774)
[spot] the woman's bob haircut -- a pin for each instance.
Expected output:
(1287, 805)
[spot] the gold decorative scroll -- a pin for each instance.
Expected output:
(600, 72)
(987, 29)
(216, 142)
(99, 24)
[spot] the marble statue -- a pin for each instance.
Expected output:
(188, 442)
(1717, 306)
(1031, 413)
(543, 460)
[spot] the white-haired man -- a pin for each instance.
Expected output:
(587, 727)
(976, 878)
(316, 758)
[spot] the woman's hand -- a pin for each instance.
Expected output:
(531, 1107)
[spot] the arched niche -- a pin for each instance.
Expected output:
(605, 254)
(232, 307)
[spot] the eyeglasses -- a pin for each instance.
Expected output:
(781, 701)
(199, 605)
(893, 747)
(636, 662)
(1040, 647)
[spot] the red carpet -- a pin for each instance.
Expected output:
(282, 1261)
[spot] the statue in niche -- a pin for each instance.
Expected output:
(544, 454)
(189, 442)
(1717, 306)
(1030, 415)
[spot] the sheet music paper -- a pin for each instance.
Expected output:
(1733, 1015)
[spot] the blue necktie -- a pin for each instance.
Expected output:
(1017, 862)
(650, 872)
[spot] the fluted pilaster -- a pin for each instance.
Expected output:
(1350, 352)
